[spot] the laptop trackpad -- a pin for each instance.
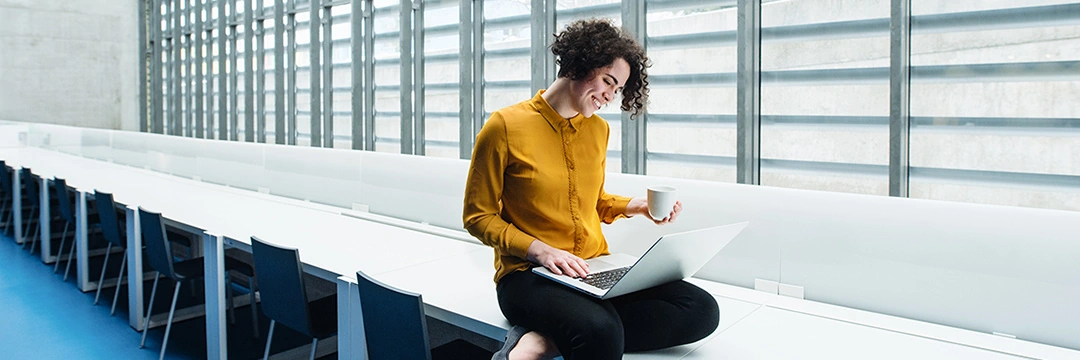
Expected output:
(608, 262)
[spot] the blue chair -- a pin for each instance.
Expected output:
(110, 229)
(160, 258)
(66, 204)
(395, 326)
(284, 296)
(67, 213)
(33, 219)
(33, 201)
(6, 195)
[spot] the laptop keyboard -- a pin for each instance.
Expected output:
(605, 279)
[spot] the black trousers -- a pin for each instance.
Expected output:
(584, 327)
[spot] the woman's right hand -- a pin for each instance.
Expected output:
(557, 261)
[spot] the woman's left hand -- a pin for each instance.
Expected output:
(640, 206)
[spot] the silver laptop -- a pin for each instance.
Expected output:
(673, 257)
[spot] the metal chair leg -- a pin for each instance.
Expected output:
(71, 254)
(26, 229)
(229, 299)
(7, 202)
(101, 279)
(10, 217)
(149, 310)
(269, 338)
(254, 311)
(27, 221)
(59, 253)
(34, 238)
(314, 344)
(116, 295)
(168, 325)
(8, 220)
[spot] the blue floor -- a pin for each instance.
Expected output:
(44, 317)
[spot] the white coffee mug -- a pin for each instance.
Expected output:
(661, 201)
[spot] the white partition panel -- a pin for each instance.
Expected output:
(175, 155)
(423, 189)
(129, 148)
(229, 163)
(97, 144)
(13, 134)
(320, 175)
(754, 254)
(980, 267)
(64, 139)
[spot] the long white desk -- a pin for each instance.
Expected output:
(753, 324)
(454, 277)
(332, 245)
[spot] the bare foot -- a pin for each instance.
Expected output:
(534, 346)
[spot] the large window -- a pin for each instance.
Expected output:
(990, 101)
(340, 76)
(825, 95)
(264, 64)
(215, 70)
(240, 78)
(441, 90)
(387, 76)
(303, 77)
(690, 128)
(506, 54)
(995, 116)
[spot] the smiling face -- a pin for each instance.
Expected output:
(600, 88)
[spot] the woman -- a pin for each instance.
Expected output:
(535, 193)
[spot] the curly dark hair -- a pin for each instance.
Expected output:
(587, 45)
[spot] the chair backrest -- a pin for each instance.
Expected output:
(5, 178)
(158, 251)
(394, 322)
(110, 226)
(32, 186)
(280, 276)
(64, 197)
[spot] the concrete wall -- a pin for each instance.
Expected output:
(70, 62)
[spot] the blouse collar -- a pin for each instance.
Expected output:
(553, 118)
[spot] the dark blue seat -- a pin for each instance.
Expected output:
(108, 218)
(284, 295)
(67, 213)
(31, 216)
(395, 326)
(160, 258)
(110, 229)
(6, 190)
(66, 205)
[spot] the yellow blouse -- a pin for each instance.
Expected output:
(537, 175)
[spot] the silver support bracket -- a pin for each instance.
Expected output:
(748, 156)
(899, 97)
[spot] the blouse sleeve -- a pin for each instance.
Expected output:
(610, 207)
(483, 192)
